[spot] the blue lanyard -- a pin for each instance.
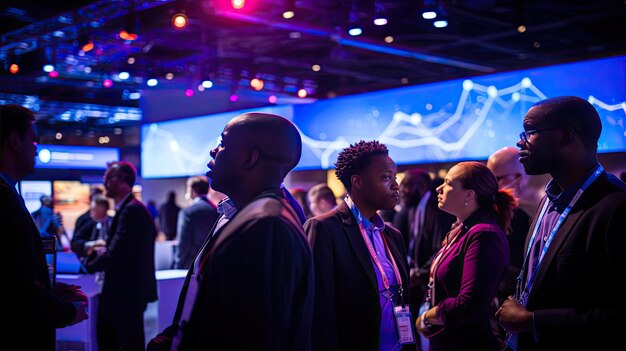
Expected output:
(370, 247)
(596, 173)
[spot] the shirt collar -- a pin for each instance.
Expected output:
(227, 207)
(477, 217)
(377, 221)
(199, 198)
(562, 198)
(119, 204)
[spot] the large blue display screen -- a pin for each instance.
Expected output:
(181, 148)
(447, 121)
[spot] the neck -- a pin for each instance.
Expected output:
(8, 168)
(366, 210)
(244, 196)
(118, 199)
(568, 176)
(467, 211)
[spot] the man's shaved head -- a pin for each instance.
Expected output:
(276, 138)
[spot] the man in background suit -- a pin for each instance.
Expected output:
(194, 222)
(37, 308)
(85, 219)
(423, 226)
(571, 296)
(354, 297)
(127, 263)
(93, 234)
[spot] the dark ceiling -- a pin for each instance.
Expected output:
(232, 46)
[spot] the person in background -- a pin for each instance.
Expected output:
(93, 236)
(570, 293)
(423, 226)
(510, 175)
(152, 208)
(361, 271)
(301, 195)
(168, 216)
(466, 272)
(194, 222)
(128, 265)
(38, 307)
(85, 218)
(251, 285)
(321, 199)
(48, 222)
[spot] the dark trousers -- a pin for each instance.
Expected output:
(119, 326)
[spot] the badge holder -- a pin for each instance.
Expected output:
(404, 322)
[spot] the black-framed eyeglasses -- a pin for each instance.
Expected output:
(527, 133)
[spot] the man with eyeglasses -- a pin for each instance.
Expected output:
(569, 295)
(128, 265)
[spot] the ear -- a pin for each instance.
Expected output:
(15, 141)
(252, 158)
(357, 182)
(568, 136)
(470, 195)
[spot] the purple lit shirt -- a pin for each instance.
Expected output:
(388, 332)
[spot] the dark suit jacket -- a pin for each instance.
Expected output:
(194, 224)
(578, 294)
(34, 308)
(347, 307)
(129, 261)
(256, 291)
(85, 233)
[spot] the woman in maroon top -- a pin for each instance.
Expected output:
(465, 273)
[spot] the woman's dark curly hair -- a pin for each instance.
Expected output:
(356, 158)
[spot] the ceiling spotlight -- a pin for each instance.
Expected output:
(380, 21)
(107, 83)
(207, 84)
(169, 76)
(123, 75)
(152, 82)
(429, 15)
(355, 31)
(302, 93)
(257, 84)
(316, 68)
(288, 14)
(48, 68)
(440, 24)
(131, 60)
(130, 30)
(180, 21)
(389, 39)
(238, 4)
(521, 28)
(272, 99)
(14, 68)
(188, 92)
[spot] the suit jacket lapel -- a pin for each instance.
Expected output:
(353, 233)
(116, 219)
(557, 242)
(397, 256)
